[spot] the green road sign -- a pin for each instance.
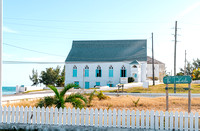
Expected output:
(177, 79)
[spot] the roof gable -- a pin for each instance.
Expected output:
(149, 61)
(108, 50)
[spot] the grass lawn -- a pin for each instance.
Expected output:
(181, 88)
(126, 102)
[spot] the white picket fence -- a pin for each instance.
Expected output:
(100, 118)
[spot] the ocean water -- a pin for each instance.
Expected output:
(7, 90)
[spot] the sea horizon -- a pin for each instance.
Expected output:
(7, 90)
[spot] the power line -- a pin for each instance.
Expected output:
(78, 21)
(30, 62)
(33, 50)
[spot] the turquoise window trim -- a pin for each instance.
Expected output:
(97, 83)
(110, 72)
(76, 82)
(87, 85)
(74, 72)
(135, 75)
(86, 72)
(98, 72)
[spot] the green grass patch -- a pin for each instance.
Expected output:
(180, 88)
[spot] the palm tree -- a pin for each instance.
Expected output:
(76, 99)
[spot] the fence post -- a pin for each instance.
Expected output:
(86, 117)
(189, 97)
(147, 119)
(100, 117)
(152, 119)
(38, 115)
(114, 117)
(47, 116)
(191, 121)
(186, 121)
(137, 119)
(60, 116)
(17, 115)
(8, 116)
(196, 121)
(73, 116)
(161, 120)
(171, 121)
(42, 115)
(128, 119)
(105, 118)
(91, 117)
(181, 121)
(167, 97)
(56, 116)
(78, 117)
(96, 118)
(109, 118)
(119, 118)
(142, 119)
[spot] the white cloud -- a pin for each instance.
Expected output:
(188, 10)
(8, 30)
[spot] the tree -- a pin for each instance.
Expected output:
(50, 76)
(59, 101)
(196, 63)
(196, 74)
(189, 69)
(60, 82)
(34, 78)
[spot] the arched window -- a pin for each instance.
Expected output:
(134, 66)
(86, 71)
(74, 71)
(111, 71)
(98, 71)
(123, 71)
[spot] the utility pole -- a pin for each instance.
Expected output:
(175, 54)
(185, 64)
(1, 46)
(153, 62)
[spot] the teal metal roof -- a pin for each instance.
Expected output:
(134, 62)
(108, 50)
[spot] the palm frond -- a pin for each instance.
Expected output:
(77, 96)
(54, 89)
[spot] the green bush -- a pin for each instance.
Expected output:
(101, 96)
(130, 79)
(48, 101)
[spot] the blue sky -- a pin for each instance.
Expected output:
(50, 26)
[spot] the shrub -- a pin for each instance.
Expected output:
(130, 79)
(136, 102)
(47, 101)
(101, 96)
(91, 97)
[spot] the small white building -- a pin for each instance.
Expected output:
(159, 69)
(106, 62)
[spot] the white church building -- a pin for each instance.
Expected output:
(106, 62)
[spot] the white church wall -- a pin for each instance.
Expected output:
(92, 79)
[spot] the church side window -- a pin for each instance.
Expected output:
(74, 71)
(110, 71)
(86, 71)
(123, 71)
(98, 71)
